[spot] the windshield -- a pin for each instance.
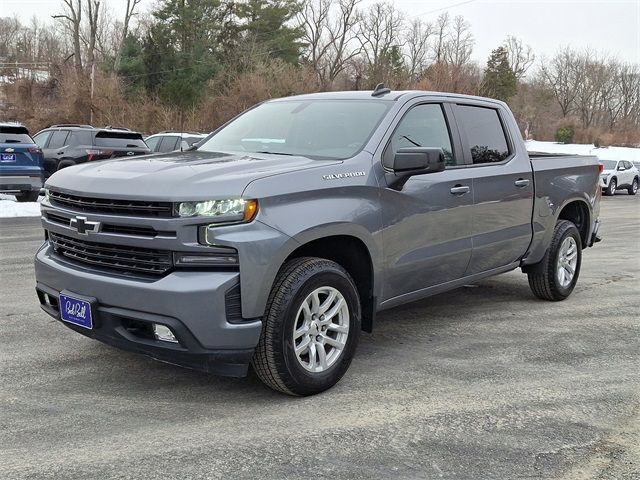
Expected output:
(608, 164)
(334, 129)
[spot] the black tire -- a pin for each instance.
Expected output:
(611, 188)
(65, 164)
(275, 361)
(28, 196)
(542, 276)
(634, 187)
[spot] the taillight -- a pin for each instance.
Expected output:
(94, 154)
(600, 167)
(34, 150)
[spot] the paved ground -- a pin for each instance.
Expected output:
(483, 382)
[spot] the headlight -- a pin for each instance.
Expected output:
(233, 210)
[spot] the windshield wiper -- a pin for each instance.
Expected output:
(416, 144)
(277, 153)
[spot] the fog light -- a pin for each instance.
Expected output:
(164, 333)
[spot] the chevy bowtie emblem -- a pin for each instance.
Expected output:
(9, 150)
(84, 227)
(130, 153)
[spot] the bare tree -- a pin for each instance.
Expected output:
(93, 11)
(521, 56)
(72, 21)
(379, 36)
(130, 12)
(441, 31)
(560, 75)
(417, 47)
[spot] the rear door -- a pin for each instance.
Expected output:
(18, 152)
(427, 224)
(502, 188)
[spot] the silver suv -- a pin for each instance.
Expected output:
(618, 175)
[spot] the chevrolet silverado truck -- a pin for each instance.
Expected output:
(275, 240)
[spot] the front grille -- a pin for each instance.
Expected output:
(107, 206)
(112, 257)
(137, 231)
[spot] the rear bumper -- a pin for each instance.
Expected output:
(191, 303)
(20, 183)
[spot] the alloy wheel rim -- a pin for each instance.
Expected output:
(634, 187)
(567, 262)
(321, 329)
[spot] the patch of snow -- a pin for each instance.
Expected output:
(10, 207)
(603, 153)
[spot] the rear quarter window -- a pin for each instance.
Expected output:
(485, 134)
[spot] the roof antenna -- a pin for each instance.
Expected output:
(380, 90)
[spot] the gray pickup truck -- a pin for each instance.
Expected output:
(278, 238)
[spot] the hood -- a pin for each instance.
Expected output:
(193, 175)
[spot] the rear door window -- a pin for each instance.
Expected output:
(79, 137)
(168, 144)
(119, 139)
(485, 134)
(17, 134)
(58, 139)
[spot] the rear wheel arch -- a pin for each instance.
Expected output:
(578, 212)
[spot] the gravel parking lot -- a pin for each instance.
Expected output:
(482, 382)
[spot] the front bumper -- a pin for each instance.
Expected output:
(191, 303)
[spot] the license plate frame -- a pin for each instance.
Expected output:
(76, 310)
(8, 157)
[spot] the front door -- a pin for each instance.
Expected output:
(427, 224)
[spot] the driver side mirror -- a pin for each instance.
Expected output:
(621, 168)
(411, 161)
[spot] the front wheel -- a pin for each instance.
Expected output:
(633, 189)
(556, 275)
(310, 329)
(611, 188)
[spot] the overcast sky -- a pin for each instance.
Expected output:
(605, 25)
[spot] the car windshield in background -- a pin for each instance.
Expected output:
(334, 129)
(10, 134)
(608, 164)
(119, 139)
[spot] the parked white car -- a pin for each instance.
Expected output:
(619, 175)
(165, 142)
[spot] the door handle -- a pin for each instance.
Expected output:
(460, 189)
(60, 153)
(522, 182)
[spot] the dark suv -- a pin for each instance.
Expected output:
(66, 145)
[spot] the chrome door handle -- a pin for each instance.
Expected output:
(522, 182)
(460, 190)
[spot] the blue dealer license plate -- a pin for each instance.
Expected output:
(73, 310)
(7, 157)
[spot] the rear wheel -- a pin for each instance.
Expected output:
(611, 188)
(555, 276)
(310, 329)
(28, 196)
(634, 187)
(65, 164)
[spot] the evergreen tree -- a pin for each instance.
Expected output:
(499, 80)
(267, 24)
